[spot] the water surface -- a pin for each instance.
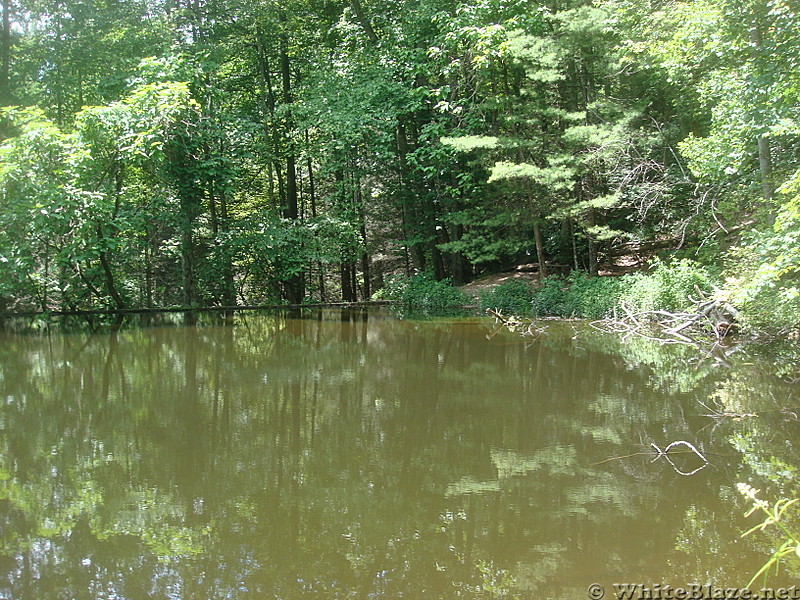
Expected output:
(354, 455)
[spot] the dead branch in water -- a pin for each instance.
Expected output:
(720, 414)
(665, 454)
(670, 446)
(518, 324)
(710, 314)
(713, 315)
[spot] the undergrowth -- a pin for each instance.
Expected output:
(670, 286)
(422, 291)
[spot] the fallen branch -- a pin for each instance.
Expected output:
(514, 324)
(710, 315)
(497, 315)
(611, 458)
(666, 450)
(671, 327)
(665, 454)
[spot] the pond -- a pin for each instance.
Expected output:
(357, 455)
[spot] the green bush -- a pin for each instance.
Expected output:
(593, 297)
(422, 291)
(671, 286)
(551, 298)
(577, 296)
(764, 271)
(768, 297)
(512, 298)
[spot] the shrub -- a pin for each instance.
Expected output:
(577, 296)
(551, 298)
(669, 287)
(593, 297)
(764, 272)
(511, 297)
(768, 299)
(422, 291)
(773, 516)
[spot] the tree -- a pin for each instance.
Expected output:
(70, 196)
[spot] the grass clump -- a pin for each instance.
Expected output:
(670, 287)
(423, 292)
(512, 297)
(577, 296)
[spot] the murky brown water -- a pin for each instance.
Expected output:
(346, 456)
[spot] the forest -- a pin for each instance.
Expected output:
(196, 153)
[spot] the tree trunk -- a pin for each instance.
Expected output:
(219, 217)
(366, 290)
(348, 290)
(764, 150)
(365, 270)
(765, 167)
(354, 281)
(439, 270)
(108, 273)
(5, 54)
(274, 168)
(187, 265)
(537, 237)
(364, 21)
(110, 285)
(290, 210)
(455, 260)
(312, 195)
(295, 286)
(416, 250)
(574, 243)
(148, 271)
(312, 199)
(229, 286)
(593, 260)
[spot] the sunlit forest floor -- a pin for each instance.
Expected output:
(474, 288)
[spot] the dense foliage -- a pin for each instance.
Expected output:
(670, 286)
(423, 292)
(222, 153)
(511, 297)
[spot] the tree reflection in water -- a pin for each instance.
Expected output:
(356, 455)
